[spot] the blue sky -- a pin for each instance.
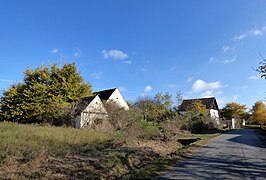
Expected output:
(203, 48)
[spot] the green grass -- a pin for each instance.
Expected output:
(29, 141)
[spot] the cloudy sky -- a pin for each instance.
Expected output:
(203, 48)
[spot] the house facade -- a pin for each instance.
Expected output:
(88, 110)
(113, 95)
(210, 103)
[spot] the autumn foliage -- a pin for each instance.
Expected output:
(234, 110)
(259, 113)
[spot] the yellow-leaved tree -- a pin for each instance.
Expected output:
(259, 113)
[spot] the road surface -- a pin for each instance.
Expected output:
(237, 154)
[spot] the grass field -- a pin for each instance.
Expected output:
(27, 147)
(43, 152)
(29, 141)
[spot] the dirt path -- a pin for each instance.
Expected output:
(236, 154)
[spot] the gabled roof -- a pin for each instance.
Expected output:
(105, 94)
(210, 103)
(81, 104)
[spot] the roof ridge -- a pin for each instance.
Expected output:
(201, 98)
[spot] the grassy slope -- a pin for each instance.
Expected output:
(28, 151)
(29, 141)
(25, 146)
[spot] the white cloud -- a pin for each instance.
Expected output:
(200, 85)
(97, 75)
(77, 52)
(211, 93)
(253, 77)
(226, 48)
(208, 93)
(256, 32)
(114, 54)
(227, 61)
(54, 51)
(250, 33)
(189, 79)
(240, 37)
(122, 89)
(148, 88)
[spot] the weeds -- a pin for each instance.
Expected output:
(29, 142)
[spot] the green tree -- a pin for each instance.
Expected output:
(148, 107)
(156, 108)
(259, 113)
(44, 95)
(234, 110)
(164, 100)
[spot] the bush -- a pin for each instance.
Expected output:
(198, 123)
(149, 130)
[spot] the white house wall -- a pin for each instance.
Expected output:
(96, 106)
(95, 110)
(117, 98)
(214, 115)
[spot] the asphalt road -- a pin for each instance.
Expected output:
(237, 154)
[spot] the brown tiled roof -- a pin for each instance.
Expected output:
(210, 103)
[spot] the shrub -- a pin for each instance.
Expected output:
(143, 130)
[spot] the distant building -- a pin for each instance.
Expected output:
(210, 103)
(87, 110)
(112, 95)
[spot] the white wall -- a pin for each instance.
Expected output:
(117, 98)
(95, 110)
(214, 115)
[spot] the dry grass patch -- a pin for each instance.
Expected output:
(24, 146)
(36, 152)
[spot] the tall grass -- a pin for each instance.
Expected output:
(29, 141)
